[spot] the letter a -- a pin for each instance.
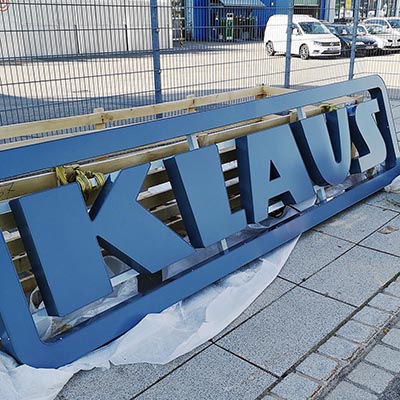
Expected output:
(270, 165)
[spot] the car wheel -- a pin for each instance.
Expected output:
(304, 52)
(269, 47)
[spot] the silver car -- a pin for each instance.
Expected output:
(392, 24)
(385, 39)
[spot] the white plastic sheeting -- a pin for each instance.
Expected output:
(394, 186)
(158, 338)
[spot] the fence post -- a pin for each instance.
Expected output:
(155, 41)
(354, 38)
(289, 44)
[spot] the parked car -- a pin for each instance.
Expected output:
(365, 45)
(392, 24)
(384, 39)
(310, 38)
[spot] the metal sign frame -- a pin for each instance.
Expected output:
(369, 124)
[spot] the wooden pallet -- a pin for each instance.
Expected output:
(161, 204)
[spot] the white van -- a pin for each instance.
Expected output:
(310, 38)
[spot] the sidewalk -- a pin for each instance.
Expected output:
(327, 326)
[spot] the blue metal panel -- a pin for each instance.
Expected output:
(116, 207)
(266, 171)
(20, 337)
(325, 146)
(200, 20)
(65, 227)
(67, 262)
(263, 16)
(199, 187)
(366, 136)
(127, 230)
(46, 155)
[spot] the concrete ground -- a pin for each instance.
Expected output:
(327, 327)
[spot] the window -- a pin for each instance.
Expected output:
(394, 23)
(313, 28)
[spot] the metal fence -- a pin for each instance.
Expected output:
(61, 58)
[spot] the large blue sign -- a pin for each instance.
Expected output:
(288, 163)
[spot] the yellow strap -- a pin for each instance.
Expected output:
(328, 107)
(73, 173)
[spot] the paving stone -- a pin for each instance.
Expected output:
(393, 289)
(282, 333)
(213, 374)
(385, 302)
(355, 276)
(372, 316)
(385, 357)
(371, 377)
(319, 367)
(357, 332)
(356, 223)
(390, 201)
(339, 348)
(275, 290)
(119, 382)
(386, 238)
(392, 338)
(395, 104)
(392, 391)
(313, 251)
(295, 387)
(347, 391)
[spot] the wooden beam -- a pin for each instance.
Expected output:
(276, 91)
(28, 281)
(100, 118)
(100, 125)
